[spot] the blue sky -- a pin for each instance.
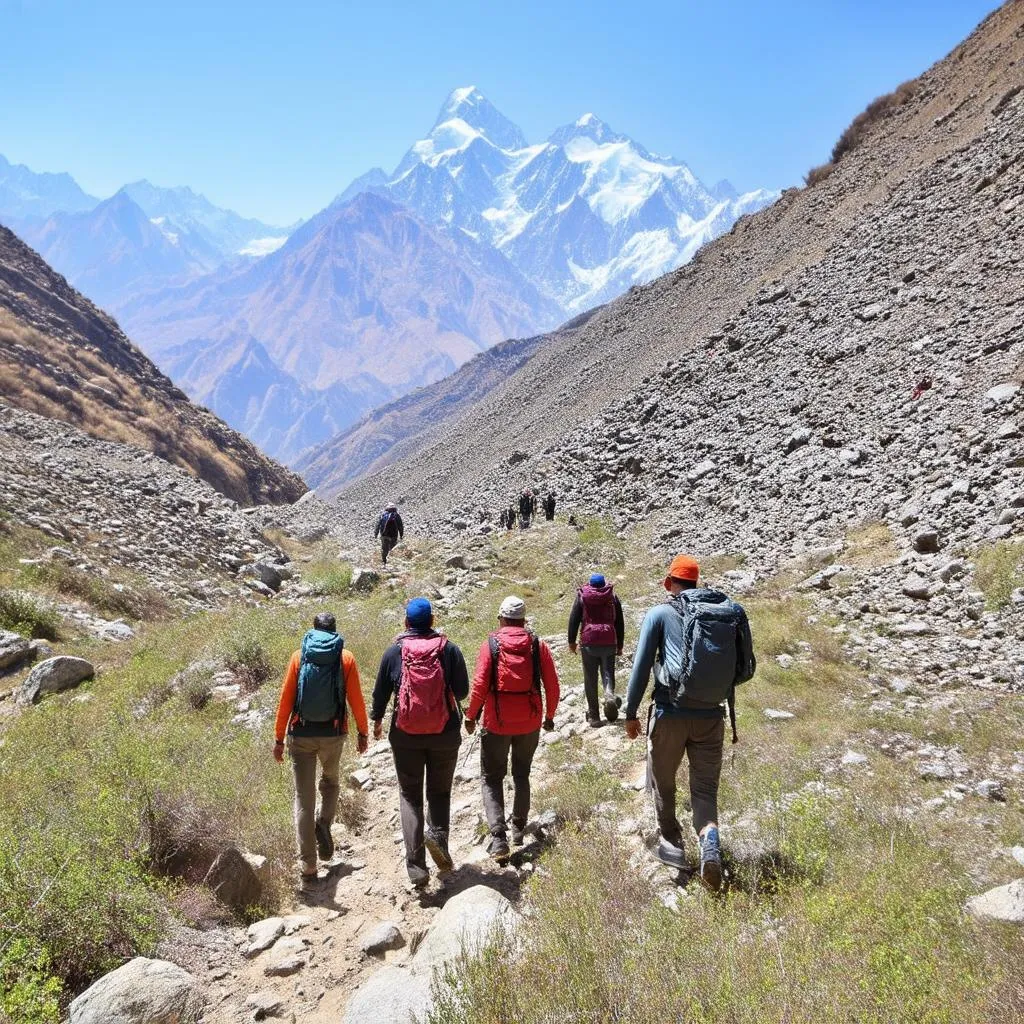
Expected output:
(272, 108)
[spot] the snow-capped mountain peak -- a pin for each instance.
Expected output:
(469, 105)
(589, 126)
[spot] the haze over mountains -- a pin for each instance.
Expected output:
(476, 237)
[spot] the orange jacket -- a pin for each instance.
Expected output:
(289, 691)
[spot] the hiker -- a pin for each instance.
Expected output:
(511, 517)
(525, 509)
(515, 685)
(700, 648)
(311, 713)
(599, 612)
(549, 506)
(502, 518)
(426, 674)
(390, 529)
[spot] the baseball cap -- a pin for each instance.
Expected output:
(683, 567)
(418, 613)
(512, 608)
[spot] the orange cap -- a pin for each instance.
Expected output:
(683, 567)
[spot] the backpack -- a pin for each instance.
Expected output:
(598, 616)
(510, 682)
(389, 523)
(318, 695)
(424, 700)
(716, 655)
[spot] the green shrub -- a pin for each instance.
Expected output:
(249, 660)
(997, 571)
(29, 993)
(26, 615)
(328, 578)
(108, 596)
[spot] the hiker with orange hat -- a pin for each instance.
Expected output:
(699, 646)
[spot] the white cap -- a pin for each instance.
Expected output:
(512, 608)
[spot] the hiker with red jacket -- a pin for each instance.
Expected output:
(426, 674)
(599, 612)
(321, 678)
(515, 686)
(390, 529)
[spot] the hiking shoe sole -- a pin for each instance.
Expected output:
(324, 840)
(438, 854)
(418, 876)
(499, 852)
(518, 837)
(711, 875)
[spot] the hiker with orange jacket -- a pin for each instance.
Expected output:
(515, 687)
(321, 678)
(426, 674)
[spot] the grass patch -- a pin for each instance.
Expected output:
(110, 597)
(29, 993)
(328, 577)
(998, 571)
(249, 660)
(29, 616)
(579, 789)
(871, 545)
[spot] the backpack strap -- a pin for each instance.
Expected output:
(536, 663)
(492, 644)
(732, 714)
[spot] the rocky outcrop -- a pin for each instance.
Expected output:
(15, 650)
(400, 994)
(62, 357)
(143, 991)
(55, 675)
(1003, 903)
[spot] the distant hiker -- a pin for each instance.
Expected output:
(525, 509)
(390, 529)
(515, 685)
(426, 674)
(321, 677)
(549, 506)
(599, 612)
(700, 648)
(510, 519)
(502, 519)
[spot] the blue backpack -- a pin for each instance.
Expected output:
(718, 653)
(318, 697)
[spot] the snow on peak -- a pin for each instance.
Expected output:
(586, 119)
(589, 126)
(470, 105)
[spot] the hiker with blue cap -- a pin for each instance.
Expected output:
(426, 674)
(599, 612)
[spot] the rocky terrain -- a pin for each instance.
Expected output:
(897, 269)
(63, 358)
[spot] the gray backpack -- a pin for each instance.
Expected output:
(718, 652)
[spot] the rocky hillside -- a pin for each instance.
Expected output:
(63, 358)
(852, 352)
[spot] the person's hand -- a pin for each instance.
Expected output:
(362, 742)
(378, 729)
(572, 648)
(632, 728)
(279, 751)
(548, 725)
(470, 726)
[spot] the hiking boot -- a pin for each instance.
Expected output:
(611, 706)
(670, 854)
(324, 840)
(307, 874)
(594, 721)
(498, 849)
(437, 847)
(418, 875)
(711, 859)
(518, 837)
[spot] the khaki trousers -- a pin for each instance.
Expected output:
(305, 752)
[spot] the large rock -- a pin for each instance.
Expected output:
(1003, 903)
(15, 650)
(401, 993)
(143, 991)
(53, 676)
(234, 881)
(365, 580)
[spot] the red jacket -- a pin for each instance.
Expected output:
(519, 713)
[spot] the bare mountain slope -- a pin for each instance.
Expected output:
(63, 358)
(924, 191)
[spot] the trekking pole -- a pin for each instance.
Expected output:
(469, 748)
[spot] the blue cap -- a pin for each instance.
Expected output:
(597, 580)
(418, 613)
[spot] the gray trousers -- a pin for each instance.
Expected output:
(494, 760)
(597, 659)
(386, 544)
(305, 753)
(436, 766)
(701, 740)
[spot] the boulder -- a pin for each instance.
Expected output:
(1003, 903)
(400, 994)
(926, 541)
(143, 991)
(365, 580)
(15, 650)
(457, 562)
(233, 880)
(383, 937)
(53, 676)
(263, 934)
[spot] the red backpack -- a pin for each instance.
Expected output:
(598, 616)
(518, 675)
(424, 700)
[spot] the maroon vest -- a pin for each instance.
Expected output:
(598, 616)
